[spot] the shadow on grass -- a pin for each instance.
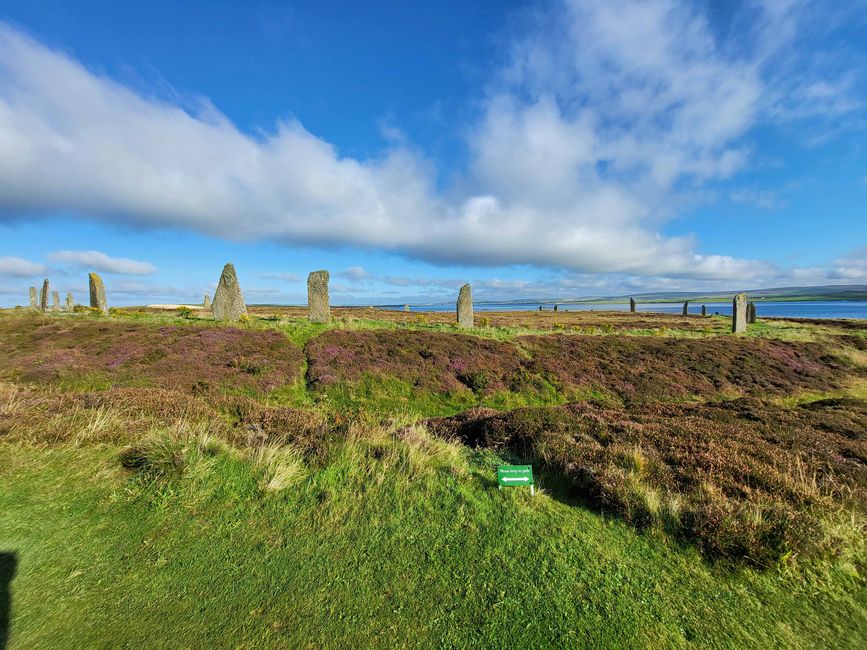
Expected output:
(8, 563)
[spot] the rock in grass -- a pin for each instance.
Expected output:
(228, 300)
(43, 297)
(751, 313)
(465, 306)
(318, 310)
(70, 302)
(97, 293)
(704, 310)
(632, 305)
(686, 308)
(406, 307)
(55, 301)
(34, 299)
(206, 303)
(739, 313)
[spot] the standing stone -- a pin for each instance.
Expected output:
(555, 307)
(686, 308)
(406, 307)
(43, 297)
(34, 299)
(97, 293)
(55, 301)
(632, 305)
(318, 310)
(739, 313)
(70, 302)
(751, 313)
(465, 306)
(228, 300)
(206, 303)
(704, 310)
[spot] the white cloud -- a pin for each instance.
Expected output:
(284, 277)
(97, 261)
(583, 148)
(17, 267)
(356, 274)
(852, 266)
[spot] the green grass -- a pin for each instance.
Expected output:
(389, 543)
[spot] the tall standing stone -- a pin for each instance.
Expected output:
(632, 305)
(751, 313)
(43, 297)
(55, 301)
(406, 307)
(318, 310)
(704, 310)
(206, 303)
(228, 300)
(34, 298)
(686, 308)
(465, 306)
(97, 293)
(70, 302)
(739, 313)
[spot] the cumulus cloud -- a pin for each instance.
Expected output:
(584, 143)
(283, 277)
(17, 267)
(356, 274)
(97, 261)
(852, 266)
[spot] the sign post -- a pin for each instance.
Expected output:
(515, 476)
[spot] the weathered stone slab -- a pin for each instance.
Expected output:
(97, 293)
(206, 303)
(739, 313)
(751, 313)
(43, 297)
(318, 309)
(34, 298)
(704, 310)
(686, 308)
(406, 307)
(55, 301)
(228, 300)
(465, 306)
(70, 302)
(632, 305)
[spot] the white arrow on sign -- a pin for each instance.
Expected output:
(522, 479)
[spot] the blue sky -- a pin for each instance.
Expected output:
(534, 149)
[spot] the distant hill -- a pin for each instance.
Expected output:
(776, 294)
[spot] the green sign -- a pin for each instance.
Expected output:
(514, 475)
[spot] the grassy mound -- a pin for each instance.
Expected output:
(386, 537)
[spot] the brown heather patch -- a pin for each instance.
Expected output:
(126, 353)
(636, 369)
(435, 361)
(744, 480)
(642, 369)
